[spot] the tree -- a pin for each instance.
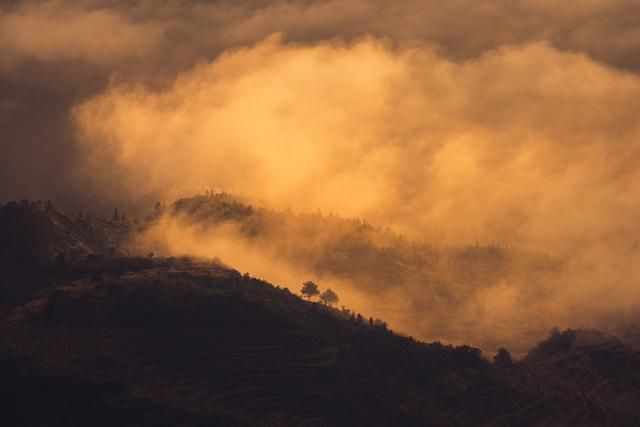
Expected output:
(116, 216)
(310, 289)
(329, 297)
(502, 359)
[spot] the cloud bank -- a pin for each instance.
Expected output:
(524, 145)
(56, 54)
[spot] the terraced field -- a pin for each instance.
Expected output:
(239, 365)
(256, 372)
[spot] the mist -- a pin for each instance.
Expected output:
(487, 296)
(176, 235)
(513, 147)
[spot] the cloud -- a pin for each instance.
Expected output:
(525, 145)
(55, 31)
(540, 145)
(70, 50)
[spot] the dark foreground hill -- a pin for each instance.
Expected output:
(184, 342)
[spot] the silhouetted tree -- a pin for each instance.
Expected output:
(503, 359)
(329, 297)
(309, 289)
(122, 217)
(116, 216)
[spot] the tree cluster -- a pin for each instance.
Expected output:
(310, 290)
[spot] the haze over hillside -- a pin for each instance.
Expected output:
(488, 296)
(91, 334)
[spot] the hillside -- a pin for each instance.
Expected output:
(210, 342)
(430, 292)
(427, 290)
(107, 338)
(35, 233)
(353, 249)
(186, 342)
(38, 243)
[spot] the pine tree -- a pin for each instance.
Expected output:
(309, 289)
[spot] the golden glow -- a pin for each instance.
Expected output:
(523, 146)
